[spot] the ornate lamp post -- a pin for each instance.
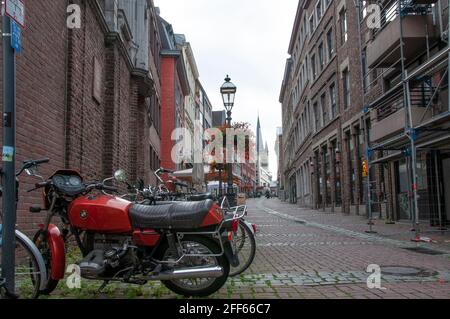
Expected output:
(228, 91)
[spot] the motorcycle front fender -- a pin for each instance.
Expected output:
(57, 250)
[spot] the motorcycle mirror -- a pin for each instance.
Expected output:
(120, 176)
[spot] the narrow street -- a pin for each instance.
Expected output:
(305, 254)
(308, 254)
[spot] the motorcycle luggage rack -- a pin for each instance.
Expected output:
(238, 213)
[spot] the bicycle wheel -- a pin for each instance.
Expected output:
(27, 274)
(245, 245)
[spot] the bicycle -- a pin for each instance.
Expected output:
(30, 269)
(244, 241)
(245, 236)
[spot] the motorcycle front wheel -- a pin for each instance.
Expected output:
(197, 287)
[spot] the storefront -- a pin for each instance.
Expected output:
(433, 185)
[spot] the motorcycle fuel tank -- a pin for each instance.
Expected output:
(100, 213)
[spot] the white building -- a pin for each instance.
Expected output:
(193, 79)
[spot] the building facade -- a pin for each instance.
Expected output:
(88, 98)
(321, 99)
(191, 107)
(175, 89)
(405, 77)
(365, 107)
(279, 152)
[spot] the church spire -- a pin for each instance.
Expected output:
(259, 139)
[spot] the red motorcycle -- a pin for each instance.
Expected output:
(186, 245)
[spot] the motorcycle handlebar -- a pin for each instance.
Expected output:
(109, 189)
(31, 163)
(38, 186)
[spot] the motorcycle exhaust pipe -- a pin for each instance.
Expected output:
(189, 273)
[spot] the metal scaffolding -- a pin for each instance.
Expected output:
(412, 88)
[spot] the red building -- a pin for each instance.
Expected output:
(248, 173)
(175, 88)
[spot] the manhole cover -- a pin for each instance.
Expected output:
(407, 271)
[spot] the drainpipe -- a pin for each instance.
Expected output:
(66, 95)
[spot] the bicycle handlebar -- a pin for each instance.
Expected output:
(32, 163)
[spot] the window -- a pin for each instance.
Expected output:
(311, 24)
(330, 45)
(321, 56)
(306, 70)
(346, 80)
(343, 19)
(305, 26)
(327, 3)
(337, 179)
(324, 107)
(365, 71)
(316, 117)
(304, 126)
(319, 10)
(313, 67)
(351, 172)
(327, 177)
(333, 101)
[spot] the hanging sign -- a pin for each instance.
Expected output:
(15, 9)
(16, 37)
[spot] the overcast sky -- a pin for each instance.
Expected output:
(247, 39)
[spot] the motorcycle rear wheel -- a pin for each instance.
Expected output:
(197, 287)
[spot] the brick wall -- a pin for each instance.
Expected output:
(41, 94)
(345, 54)
(57, 114)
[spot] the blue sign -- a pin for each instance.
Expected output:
(16, 37)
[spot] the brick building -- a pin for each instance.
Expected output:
(321, 100)
(367, 109)
(88, 98)
(405, 63)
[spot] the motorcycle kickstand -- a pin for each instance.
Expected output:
(102, 287)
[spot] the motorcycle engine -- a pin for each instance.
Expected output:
(109, 256)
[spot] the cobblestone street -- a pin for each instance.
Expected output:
(308, 254)
(305, 254)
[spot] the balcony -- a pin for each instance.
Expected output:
(423, 1)
(395, 123)
(384, 50)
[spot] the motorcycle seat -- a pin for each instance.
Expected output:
(176, 215)
(200, 197)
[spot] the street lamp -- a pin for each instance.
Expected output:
(228, 91)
